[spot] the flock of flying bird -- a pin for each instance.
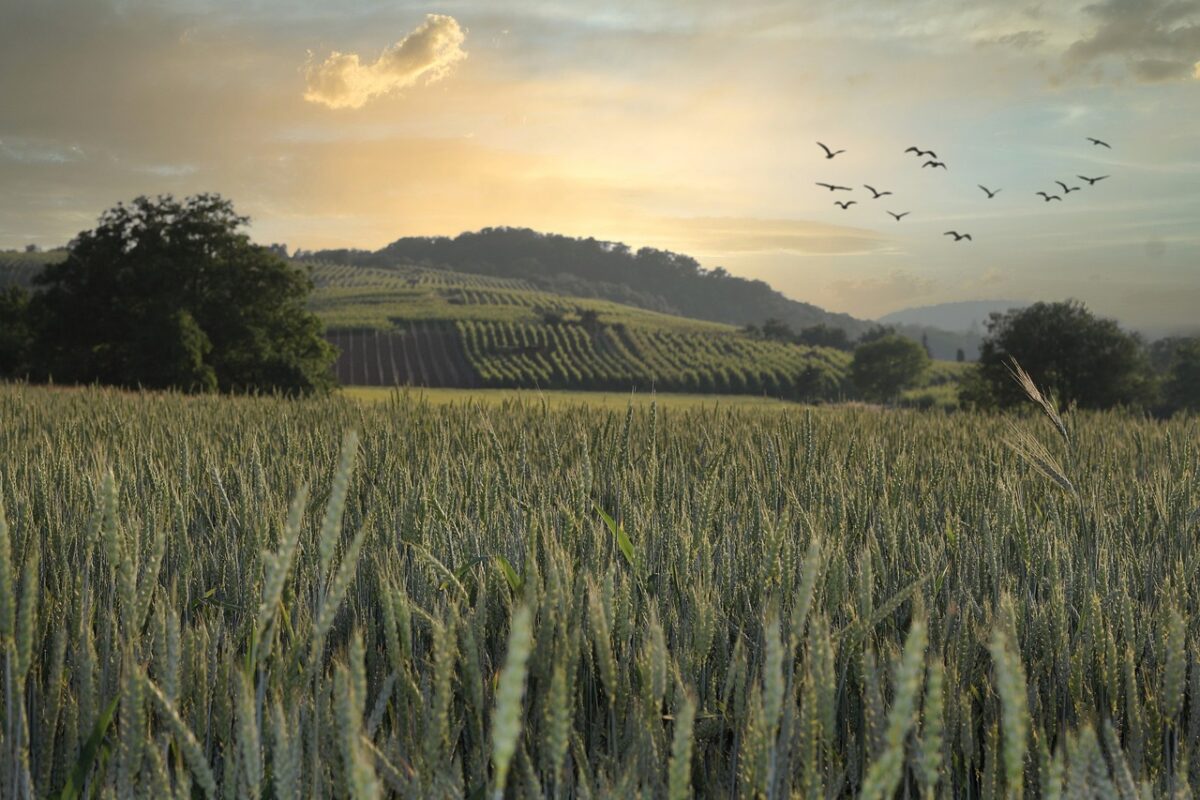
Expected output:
(934, 163)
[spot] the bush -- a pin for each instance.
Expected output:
(885, 366)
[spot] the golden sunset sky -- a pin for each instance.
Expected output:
(684, 125)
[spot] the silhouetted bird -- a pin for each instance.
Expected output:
(830, 153)
(988, 191)
(1049, 197)
(1091, 181)
(1068, 189)
(921, 153)
(934, 164)
(844, 203)
(1097, 142)
(877, 194)
(958, 237)
(833, 188)
(899, 216)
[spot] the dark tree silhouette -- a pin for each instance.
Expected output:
(1068, 351)
(15, 333)
(171, 294)
(824, 336)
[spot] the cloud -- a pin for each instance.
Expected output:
(875, 295)
(1158, 39)
(748, 235)
(1017, 40)
(429, 53)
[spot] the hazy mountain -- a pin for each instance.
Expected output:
(965, 317)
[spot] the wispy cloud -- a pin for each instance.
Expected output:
(428, 53)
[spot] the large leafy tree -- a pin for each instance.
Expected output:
(15, 335)
(172, 294)
(886, 365)
(1079, 357)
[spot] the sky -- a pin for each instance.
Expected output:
(689, 125)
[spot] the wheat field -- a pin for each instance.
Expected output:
(204, 597)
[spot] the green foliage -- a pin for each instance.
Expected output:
(16, 337)
(170, 294)
(885, 366)
(822, 335)
(1078, 357)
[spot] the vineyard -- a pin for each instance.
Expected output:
(619, 357)
(424, 327)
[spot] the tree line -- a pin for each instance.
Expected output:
(1082, 359)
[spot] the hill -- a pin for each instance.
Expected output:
(965, 317)
(410, 325)
(657, 280)
(649, 278)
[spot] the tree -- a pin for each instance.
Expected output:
(875, 333)
(1068, 351)
(960, 356)
(1182, 387)
(822, 335)
(15, 335)
(777, 330)
(171, 294)
(885, 366)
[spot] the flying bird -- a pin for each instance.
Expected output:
(833, 188)
(1049, 197)
(934, 164)
(921, 153)
(899, 216)
(830, 153)
(1091, 181)
(844, 204)
(989, 192)
(1067, 189)
(958, 237)
(875, 192)
(1098, 143)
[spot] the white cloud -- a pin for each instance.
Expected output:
(429, 53)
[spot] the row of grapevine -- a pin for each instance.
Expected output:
(423, 278)
(507, 354)
(422, 354)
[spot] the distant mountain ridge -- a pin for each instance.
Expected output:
(658, 280)
(969, 316)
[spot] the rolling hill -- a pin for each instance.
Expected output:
(410, 325)
(648, 278)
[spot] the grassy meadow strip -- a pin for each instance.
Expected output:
(213, 597)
